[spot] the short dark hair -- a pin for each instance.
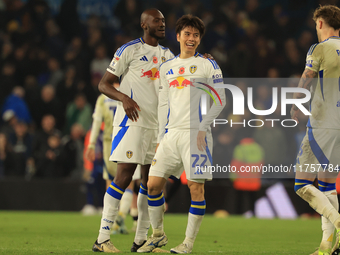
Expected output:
(330, 13)
(189, 20)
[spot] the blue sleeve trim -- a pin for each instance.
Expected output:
(311, 49)
(213, 62)
(122, 48)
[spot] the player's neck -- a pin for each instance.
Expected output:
(184, 55)
(150, 40)
(329, 33)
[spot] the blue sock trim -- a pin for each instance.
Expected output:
(156, 200)
(115, 191)
(326, 186)
(198, 203)
(197, 208)
(143, 190)
(300, 183)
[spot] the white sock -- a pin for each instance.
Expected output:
(143, 222)
(111, 202)
(195, 217)
(320, 203)
(194, 223)
(125, 203)
(156, 213)
(326, 225)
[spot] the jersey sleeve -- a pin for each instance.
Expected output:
(121, 60)
(169, 54)
(97, 121)
(313, 58)
(163, 106)
(215, 77)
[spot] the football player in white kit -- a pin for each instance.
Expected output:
(135, 129)
(184, 136)
(319, 154)
(104, 112)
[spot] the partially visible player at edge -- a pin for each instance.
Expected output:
(135, 123)
(321, 144)
(183, 80)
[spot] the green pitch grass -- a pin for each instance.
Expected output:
(72, 233)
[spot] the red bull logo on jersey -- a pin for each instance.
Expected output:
(152, 74)
(180, 83)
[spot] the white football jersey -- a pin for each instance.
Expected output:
(137, 64)
(103, 112)
(183, 81)
(324, 58)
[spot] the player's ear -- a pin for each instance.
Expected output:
(143, 25)
(178, 37)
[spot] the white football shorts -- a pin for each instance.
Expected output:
(177, 151)
(319, 152)
(133, 144)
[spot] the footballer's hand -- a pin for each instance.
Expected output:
(131, 108)
(207, 55)
(294, 113)
(201, 144)
(90, 154)
(157, 147)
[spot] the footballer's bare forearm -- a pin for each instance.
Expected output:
(106, 87)
(305, 83)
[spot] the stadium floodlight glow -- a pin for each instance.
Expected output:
(238, 100)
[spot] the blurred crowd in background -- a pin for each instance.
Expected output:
(51, 64)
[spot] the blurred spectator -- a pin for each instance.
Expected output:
(239, 61)
(67, 88)
(68, 19)
(7, 80)
(223, 149)
(263, 57)
(17, 104)
(22, 63)
(100, 61)
(6, 156)
(6, 53)
(80, 112)
(41, 136)
(274, 144)
(55, 74)
(54, 43)
(47, 104)
(128, 12)
(72, 153)
(250, 154)
(50, 164)
(32, 91)
(75, 55)
(10, 120)
(21, 142)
